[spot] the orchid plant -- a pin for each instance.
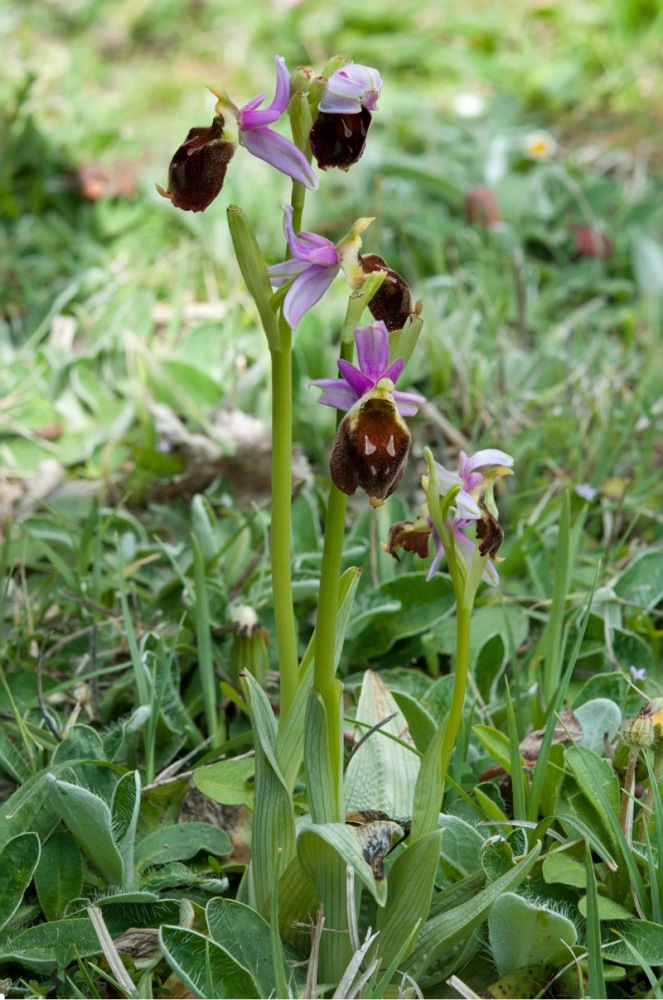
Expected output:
(300, 864)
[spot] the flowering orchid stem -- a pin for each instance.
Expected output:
(324, 674)
(286, 634)
(455, 717)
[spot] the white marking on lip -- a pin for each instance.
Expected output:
(369, 447)
(391, 447)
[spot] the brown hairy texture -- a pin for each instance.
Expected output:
(339, 140)
(392, 303)
(198, 168)
(370, 450)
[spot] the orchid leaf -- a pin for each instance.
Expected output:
(411, 883)
(319, 777)
(254, 271)
(382, 773)
(274, 817)
(444, 930)
(318, 844)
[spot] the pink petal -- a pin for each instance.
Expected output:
(250, 118)
(307, 289)
(373, 350)
(357, 380)
(407, 403)
(489, 456)
(278, 151)
(279, 274)
(308, 247)
(351, 87)
(336, 392)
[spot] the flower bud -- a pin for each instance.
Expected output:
(300, 79)
(590, 242)
(392, 303)
(249, 648)
(481, 208)
(639, 732)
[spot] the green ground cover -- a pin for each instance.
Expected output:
(135, 483)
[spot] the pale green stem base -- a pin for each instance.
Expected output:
(286, 634)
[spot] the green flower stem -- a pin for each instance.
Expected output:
(455, 717)
(324, 669)
(284, 615)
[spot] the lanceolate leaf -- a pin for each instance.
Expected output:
(319, 780)
(124, 812)
(382, 773)
(411, 882)
(204, 966)
(89, 819)
(59, 874)
(315, 844)
(18, 861)
(274, 817)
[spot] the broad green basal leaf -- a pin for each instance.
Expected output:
(179, 842)
(90, 821)
(227, 781)
(18, 861)
(521, 934)
(59, 874)
(204, 966)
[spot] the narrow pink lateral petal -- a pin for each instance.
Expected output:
(360, 382)
(336, 392)
(407, 403)
(279, 274)
(308, 247)
(373, 350)
(278, 151)
(307, 289)
(250, 117)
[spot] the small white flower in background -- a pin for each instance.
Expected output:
(539, 145)
(585, 491)
(638, 673)
(469, 105)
